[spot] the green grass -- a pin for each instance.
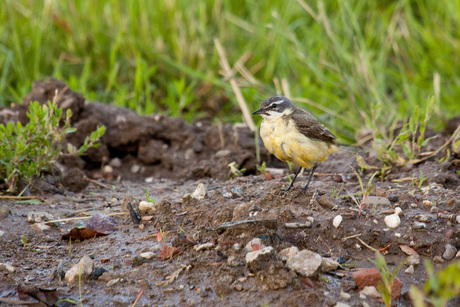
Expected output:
(356, 64)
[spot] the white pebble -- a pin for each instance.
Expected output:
(409, 270)
(397, 235)
(398, 211)
(147, 255)
(107, 169)
(337, 221)
(199, 193)
(458, 219)
(145, 206)
(392, 220)
(203, 246)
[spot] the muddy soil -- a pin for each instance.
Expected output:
(170, 159)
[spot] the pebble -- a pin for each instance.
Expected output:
(107, 169)
(328, 265)
(227, 194)
(409, 270)
(287, 253)
(434, 209)
(259, 255)
(377, 201)
(397, 235)
(311, 219)
(457, 255)
(305, 262)
(438, 259)
(392, 220)
(204, 246)
(427, 203)
(393, 198)
(39, 217)
(147, 255)
(85, 266)
(255, 241)
(112, 282)
(345, 295)
(305, 224)
(413, 205)
(2, 233)
(115, 162)
(149, 179)
(413, 260)
(135, 168)
(40, 227)
(237, 191)
(370, 291)
(4, 211)
(7, 267)
(424, 218)
(458, 219)
(146, 206)
(199, 193)
(337, 221)
(237, 246)
(419, 225)
(449, 252)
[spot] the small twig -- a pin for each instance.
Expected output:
(238, 223)
(385, 248)
(351, 237)
(366, 245)
(98, 183)
(83, 218)
(19, 197)
(138, 298)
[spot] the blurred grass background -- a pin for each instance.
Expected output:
(355, 64)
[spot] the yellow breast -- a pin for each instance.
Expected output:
(282, 139)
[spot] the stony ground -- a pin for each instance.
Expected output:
(223, 240)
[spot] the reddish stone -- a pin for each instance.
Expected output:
(372, 277)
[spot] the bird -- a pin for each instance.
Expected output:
(293, 134)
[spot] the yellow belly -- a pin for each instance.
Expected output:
(282, 140)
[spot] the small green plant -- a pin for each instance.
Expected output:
(24, 243)
(235, 171)
(149, 199)
(388, 278)
(418, 183)
(365, 192)
(440, 288)
(338, 192)
(262, 168)
(79, 285)
(27, 151)
(411, 138)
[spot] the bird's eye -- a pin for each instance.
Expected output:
(272, 106)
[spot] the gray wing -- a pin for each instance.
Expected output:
(309, 126)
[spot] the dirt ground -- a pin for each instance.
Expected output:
(170, 159)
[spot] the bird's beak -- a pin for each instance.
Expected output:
(259, 111)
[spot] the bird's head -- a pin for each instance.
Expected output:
(275, 107)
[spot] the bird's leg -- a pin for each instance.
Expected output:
(292, 182)
(309, 179)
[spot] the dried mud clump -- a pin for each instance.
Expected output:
(147, 146)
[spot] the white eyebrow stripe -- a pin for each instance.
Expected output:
(276, 102)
